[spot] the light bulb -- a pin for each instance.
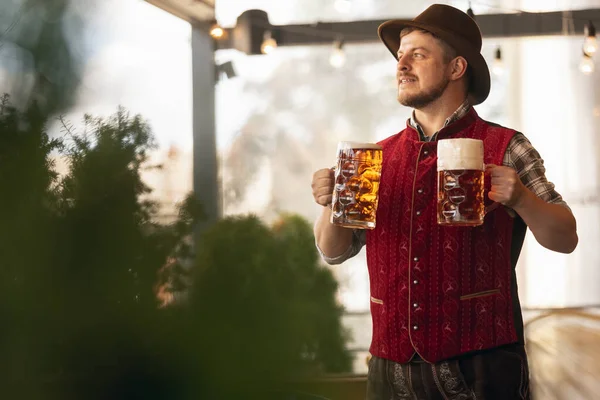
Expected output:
(269, 44)
(590, 45)
(498, 64)
(587, 64)
(216, 31)
(343, 6)
(338, 56)
(498, 68)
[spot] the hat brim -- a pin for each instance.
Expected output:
(480, 84)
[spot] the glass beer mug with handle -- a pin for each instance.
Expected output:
(460, 176)
(355, 194)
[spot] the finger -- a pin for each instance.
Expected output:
(322, 191)
(322, 182)
(495, 170)
(324, 200)
(494, 196)
(498, 180)
(499, 172)
(325, 172)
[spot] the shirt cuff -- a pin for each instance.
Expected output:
(338, 259)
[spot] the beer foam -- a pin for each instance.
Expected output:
(460, 154)
(358, 145)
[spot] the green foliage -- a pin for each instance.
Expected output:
(26, 234)
(82, 258)
(261, 302)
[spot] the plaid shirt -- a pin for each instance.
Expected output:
(520, 155)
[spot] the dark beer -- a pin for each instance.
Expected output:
(460, 197)
(355, 193)
(460, 182)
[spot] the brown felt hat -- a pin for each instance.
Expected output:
(455, 28)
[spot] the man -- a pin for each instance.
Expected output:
(446, 317)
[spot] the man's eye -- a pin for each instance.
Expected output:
(418, 55)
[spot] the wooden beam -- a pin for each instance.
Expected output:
(189, 11)
(491, 25)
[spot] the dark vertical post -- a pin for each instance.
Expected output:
(206, 181)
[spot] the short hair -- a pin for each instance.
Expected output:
(449, 51)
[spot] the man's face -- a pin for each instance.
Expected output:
(422, 72)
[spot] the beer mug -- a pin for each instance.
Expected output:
(355, 194)
(461, 171)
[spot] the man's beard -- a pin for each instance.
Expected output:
(424, 98)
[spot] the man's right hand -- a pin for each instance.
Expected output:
(332, 240)
(322, 186)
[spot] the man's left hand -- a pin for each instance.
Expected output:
(507, 188)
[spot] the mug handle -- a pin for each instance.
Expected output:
(330, 205)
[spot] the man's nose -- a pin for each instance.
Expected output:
(403, 64)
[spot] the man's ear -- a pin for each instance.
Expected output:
(459, 68)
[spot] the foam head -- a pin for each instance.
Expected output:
(358, 146)
(460, 154)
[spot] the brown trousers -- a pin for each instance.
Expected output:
(498, 374)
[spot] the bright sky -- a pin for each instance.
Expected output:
(144, 65)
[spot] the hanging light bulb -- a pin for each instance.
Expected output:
(216, 31)
(343, 6)
(587, 64)
(470, 12)
(498, 64)
(269, 44)
(590, 45)
(338, 56)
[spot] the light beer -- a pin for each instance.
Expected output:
(460, 182)
(355, 193)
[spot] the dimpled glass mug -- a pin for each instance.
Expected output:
(460, 176)
(356, 189)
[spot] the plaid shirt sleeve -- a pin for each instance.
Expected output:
(524, 158)
(359, 239)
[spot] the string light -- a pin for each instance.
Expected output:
(216, 31)
(587, 64)
(498, 64)
(590, 45)
(338, 56)
(269, 44)
(470, 12)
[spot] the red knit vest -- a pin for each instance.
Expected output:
(438, 291)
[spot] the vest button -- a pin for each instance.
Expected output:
(416, 259)
(415, 305)
(418, 212)
(415, 327)
(415, 282)
(420, 191)
(426, 152)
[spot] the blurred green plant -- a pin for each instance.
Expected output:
(82, 255)
(263, 311)
(84, 259)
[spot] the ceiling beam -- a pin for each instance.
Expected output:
(188, 10)
(252, 24)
